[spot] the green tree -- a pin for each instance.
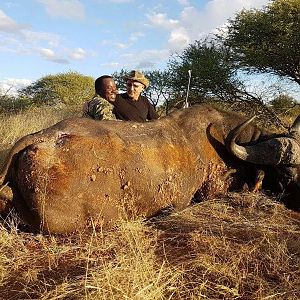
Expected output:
(267, 40)
(285, 105)
(215, 79)
(213, 73)
(119, 78)
(159, 89)
(12, 103)
(69, 88)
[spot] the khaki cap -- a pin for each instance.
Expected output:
(137, 76)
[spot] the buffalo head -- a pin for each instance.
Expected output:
(278, 155)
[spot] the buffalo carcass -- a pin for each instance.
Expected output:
(81, 169)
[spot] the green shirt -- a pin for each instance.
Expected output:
(99, 109)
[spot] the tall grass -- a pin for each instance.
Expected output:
(240, 246)
(16, 125)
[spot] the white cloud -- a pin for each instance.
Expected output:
(47, 53)
(30, 43)
(179, 38)
(10, 44)
(135, 36)
(9, 25)
(193, 24)
(114, 44)
(215, 15)
(105, 2)
(19, 39)
(23, 33)
(121, 45)
(11, 86)
(120, 1)
(50, 55)
(144, 59)
(34, 37)
(69, 9)
(113, 65)
(78, 54)
(161, 20)
(117, 45)
(184, 2)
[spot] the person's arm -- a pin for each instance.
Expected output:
(103, 110)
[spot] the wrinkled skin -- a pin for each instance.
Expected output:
(81, 169)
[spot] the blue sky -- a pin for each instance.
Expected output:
(96, 37)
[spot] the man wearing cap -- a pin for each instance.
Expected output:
(131, 106)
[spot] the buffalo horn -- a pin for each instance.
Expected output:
(295, 128)
(275, 151)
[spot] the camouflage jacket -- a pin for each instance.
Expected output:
(99, 109)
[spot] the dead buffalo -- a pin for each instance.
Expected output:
(80, 169)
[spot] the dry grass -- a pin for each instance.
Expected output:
(15, 126)
(240, 246)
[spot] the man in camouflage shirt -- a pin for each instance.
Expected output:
(101, 106)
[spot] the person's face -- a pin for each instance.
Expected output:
(134, 89)
(109, 89)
